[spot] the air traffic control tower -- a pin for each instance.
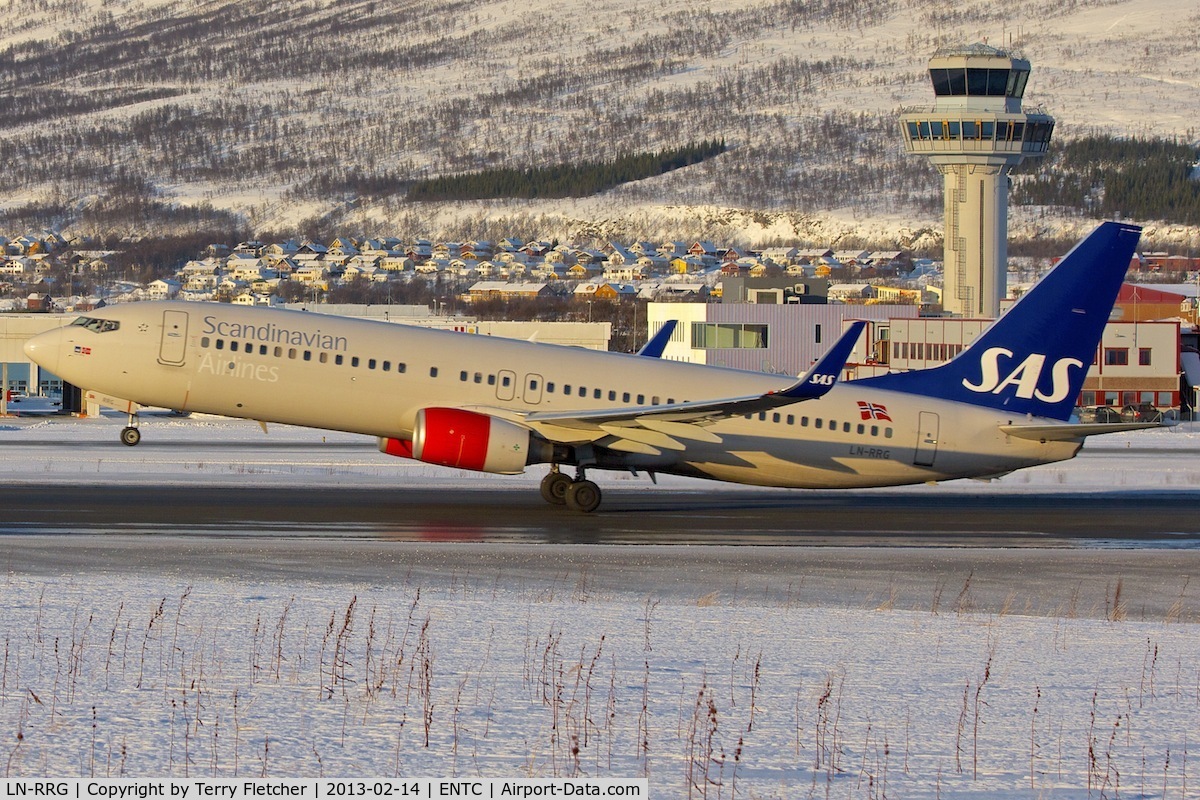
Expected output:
(975, 134)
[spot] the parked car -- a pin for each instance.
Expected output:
(1099, 414)
(1141, 412)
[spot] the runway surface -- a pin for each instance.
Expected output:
(217, 499)
(642, 515)
(1042, 553)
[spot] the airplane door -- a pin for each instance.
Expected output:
(506, 384)
(533, 389)
(927, 439)
(173, 348)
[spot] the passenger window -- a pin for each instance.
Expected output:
(291, 352)
(336, 359)
(874, 430)
(625, 397)
(370, 363)
(233, 346)
(550, 386)
(506, 381)
(433, 372)
(479, 377)
(324, 359)
(387, 366)
(262, 349)
(791, 419)
(817, 423)
(775, 418)
(220, 344)
(641, 400)
(462, 376)
(308, 355)
(204, 341)
(612, 395)
(491, 380)
(595, 394)
(401, 367)
(354, 361)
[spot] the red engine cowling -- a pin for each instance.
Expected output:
(452, 437)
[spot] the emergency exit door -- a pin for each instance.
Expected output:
(927, 439)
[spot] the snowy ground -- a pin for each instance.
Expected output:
(708, 696)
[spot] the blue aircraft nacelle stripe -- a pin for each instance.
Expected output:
(1033, 360)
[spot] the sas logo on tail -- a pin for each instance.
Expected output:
(1025, 376)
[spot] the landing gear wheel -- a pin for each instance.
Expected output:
(554, 488)
(130, 436)
(583, 496)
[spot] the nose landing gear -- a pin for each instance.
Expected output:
(130, 435)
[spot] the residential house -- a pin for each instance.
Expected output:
(163, 289)
(851, 292)
(783, 256)
(653, 264)
(624, 273)
(486, 290)
(253, 247)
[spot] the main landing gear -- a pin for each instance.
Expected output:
(130, 434)
(578, 495)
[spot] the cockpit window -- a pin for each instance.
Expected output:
(97, 325)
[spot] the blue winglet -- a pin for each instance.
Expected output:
(658, 342)
(824, 374)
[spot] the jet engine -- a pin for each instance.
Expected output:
(452, 437)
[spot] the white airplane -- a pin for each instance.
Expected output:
(497, 405)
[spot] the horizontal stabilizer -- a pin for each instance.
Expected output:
(1067, 431)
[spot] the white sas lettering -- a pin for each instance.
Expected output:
(989, 362)
(1062, 380)
(1024, 376)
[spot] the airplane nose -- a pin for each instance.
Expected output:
(45, 349)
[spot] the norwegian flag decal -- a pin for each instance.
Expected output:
(873, 411)
(87, 351)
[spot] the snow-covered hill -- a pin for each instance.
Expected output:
(119, 112)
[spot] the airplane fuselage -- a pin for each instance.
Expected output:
(374, 378)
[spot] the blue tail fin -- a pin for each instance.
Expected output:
(1034, 358)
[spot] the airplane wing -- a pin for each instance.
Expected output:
(1065, 431)
(661, 426)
